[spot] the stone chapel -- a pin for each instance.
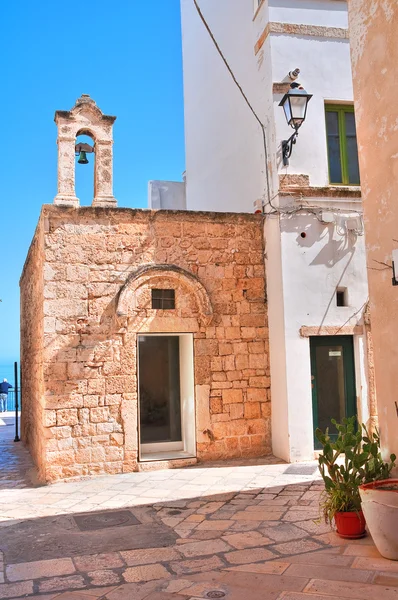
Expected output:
(144, 339)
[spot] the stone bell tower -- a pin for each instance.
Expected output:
(85, 118)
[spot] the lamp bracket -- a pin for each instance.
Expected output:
(287, 148)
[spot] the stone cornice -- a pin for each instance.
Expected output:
(300, 29)
(322, 192)
(331, 330)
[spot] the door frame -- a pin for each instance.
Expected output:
(347, 342)
(187, 447)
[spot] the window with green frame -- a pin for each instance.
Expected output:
(342, 144)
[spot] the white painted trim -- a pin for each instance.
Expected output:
(161, 447)
(171, 450)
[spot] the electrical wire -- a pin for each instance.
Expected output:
(275, 210)
(230, 71)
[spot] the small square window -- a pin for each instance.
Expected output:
(341, 297)
(163, 299)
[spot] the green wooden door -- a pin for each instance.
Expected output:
(333, 381)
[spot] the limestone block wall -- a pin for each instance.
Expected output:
(97, 267)
(32, 372)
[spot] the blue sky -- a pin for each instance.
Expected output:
(127, 55)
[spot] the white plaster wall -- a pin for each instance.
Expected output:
(224, 149)
(225, 172)
(276, 320)
(329, 13)
(325, 73)
(168, 195)
(312, 269)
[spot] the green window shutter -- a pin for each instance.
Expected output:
(342, 145)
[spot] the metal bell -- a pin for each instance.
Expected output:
(82, 158)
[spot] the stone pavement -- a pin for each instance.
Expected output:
(219, 530)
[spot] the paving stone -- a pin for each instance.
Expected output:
(91, 562)
(375, 564)
(275, 502)
(282, 532)
(61, 583)
(328, 572)
(325, 558)
(186, 567)
(218, 525)
(97, 592)
(132, 591)
(333, 539)
(13, 590)
(103, 577)
(204, 548)
(314, 527)
(210, 507)
(203, 535)
(145, 573)
(250, 539)
(195, 518)
(166, 596)
(40, 568)
(265, 509)
(176, 585)
(272, 567)
(147, 556)
(251, 555)
(258, 516)
(81, 595)
(295, 515)
(301, 596)
(241, 526)
(346, 589)
(357, 550)
(297, 547)
(256, 586)
(389, 579)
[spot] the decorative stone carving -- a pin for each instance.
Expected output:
(85, 118)
(127, 304)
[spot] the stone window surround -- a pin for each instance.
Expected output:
(127, 302)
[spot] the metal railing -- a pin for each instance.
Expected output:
(11, 399)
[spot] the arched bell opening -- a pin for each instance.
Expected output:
(85, 166)
(85, 142)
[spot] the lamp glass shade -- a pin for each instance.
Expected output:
(294, 104)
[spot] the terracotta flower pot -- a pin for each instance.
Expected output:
(380, 505)
(350, 525)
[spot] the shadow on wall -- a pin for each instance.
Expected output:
(315, 232)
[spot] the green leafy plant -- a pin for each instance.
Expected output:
(348, 462)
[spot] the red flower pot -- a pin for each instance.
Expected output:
(350, 525)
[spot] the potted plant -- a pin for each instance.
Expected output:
(345, 464)
(379, 496)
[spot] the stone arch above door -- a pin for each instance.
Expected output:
(127, 305)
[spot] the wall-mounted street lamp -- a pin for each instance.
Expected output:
(294, 104)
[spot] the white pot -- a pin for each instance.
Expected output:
(380, 507)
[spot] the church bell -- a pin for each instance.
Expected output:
(82, 158)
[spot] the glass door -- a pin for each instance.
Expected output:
(160, 423)
(333, 381)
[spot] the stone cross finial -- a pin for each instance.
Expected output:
(85, 118)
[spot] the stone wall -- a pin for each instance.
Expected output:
(32, 426)
(98, 267)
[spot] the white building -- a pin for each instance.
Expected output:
(315, 254)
